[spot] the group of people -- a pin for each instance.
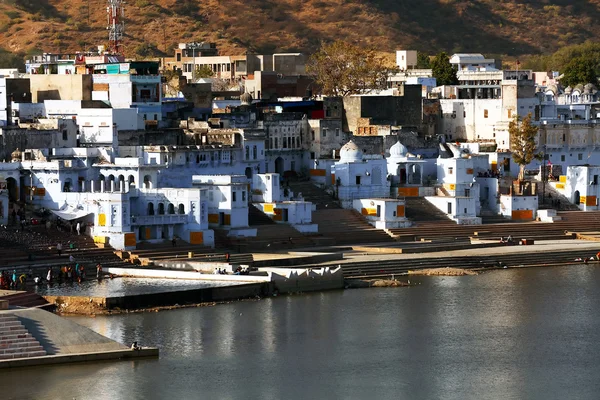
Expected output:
(67, 273)
(12, 281)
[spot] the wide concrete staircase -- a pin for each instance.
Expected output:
(571, 221)
(275, 237)
(314, 194)
(418, 209)
(343, 227)
(36, 245)
(550, 197)
(257, 217)
(16, 341)
(148, 254)
(387, 268)
(26, 299)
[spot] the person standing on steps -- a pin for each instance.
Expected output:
(78, 228)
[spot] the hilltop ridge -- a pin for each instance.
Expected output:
(513, 27)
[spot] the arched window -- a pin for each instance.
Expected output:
(131, 180)
(161, 209)
(181, 209)
(171, 208)
(147, 182)
(254, 152)
(150, 208)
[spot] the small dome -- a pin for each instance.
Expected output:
(590, 88)
(16, 155)
(246, 99)
(568, 90)
(579, 88)
(552, 88)
(398, 150)
(350, 152)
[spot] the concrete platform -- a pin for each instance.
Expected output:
(66, 341)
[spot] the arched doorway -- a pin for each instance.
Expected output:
(279, 166)
(150, 208)
(68, 186)
(13, 189)
(161, 209)
(181, 209)
(147, 182)
(402, 175)
(248, 172)
(577, 198)
(171, 208)
(131, 181)
(121, 182)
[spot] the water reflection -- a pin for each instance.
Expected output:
(123, 287)
(512, 334)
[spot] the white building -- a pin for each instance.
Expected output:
(406, 59)
(282, 207)
(228, 197)
(458, 192)
(581, 186)
(359, 177)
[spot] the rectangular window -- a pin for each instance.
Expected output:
(358, 179)
(509, 113)
(562, 158)
(324, 132)
(243, 195)
(450, 170)
(65, 135)
(485, 113)
(467, 192)
(233, 196)
(312, 155)
(337, 132)
(580, 156)
(313, 134)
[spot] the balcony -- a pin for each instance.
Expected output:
(166, 219)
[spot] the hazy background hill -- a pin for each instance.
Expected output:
(512, 27)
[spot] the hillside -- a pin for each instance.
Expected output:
(512, 27)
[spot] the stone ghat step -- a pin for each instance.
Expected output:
(14, 335)
(25, 299)
(390, 267)
(20, 338)
(8, 323)
(23, 355)
(23, 347)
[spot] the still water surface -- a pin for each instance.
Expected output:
(123, 287)
(511, 334)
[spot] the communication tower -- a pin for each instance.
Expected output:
(116, 25)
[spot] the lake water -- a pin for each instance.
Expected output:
(509, 334)
(118, 287)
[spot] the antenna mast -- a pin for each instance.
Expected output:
(116, 25)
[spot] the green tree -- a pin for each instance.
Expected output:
(11, 60)
(203, 71)
(522, 142)
(579, 70)
(342, 69)
(423, 61)
(443, 71)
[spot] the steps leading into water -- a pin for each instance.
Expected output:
(16, 341)
(347, 227)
